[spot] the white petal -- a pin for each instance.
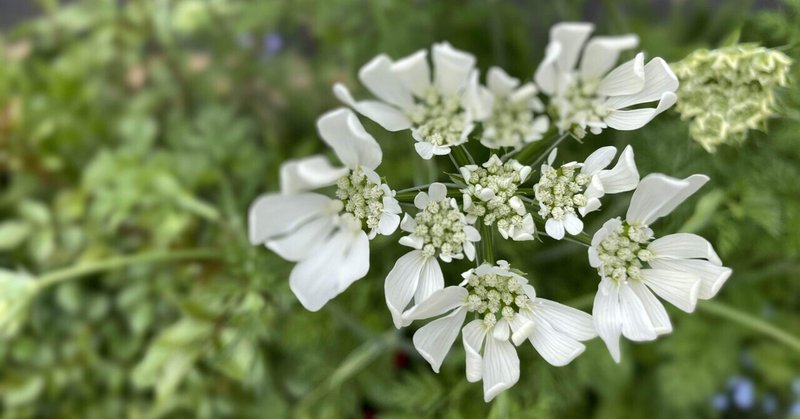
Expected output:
(626, 79)
(599, 160)
(573, 224)
(424, 149)
(437, 192)
(592, 204)
(623, 177)
(712, 276)
(401, 284)
(636, 323)
(655, 310)
(473, 335)
(388, 223)
(430, 280)
(557, 348)
(547, 73)
(434, 340)
(476, 99)
(415, 72)
(339, 262)
(379, 78)
(554, 229)
(342, 131)
(304, 241)
(654, 193)
(684, 246)
(389, 117)
(678, 288)
(409, 224)
(567, 320)
(522, 328)
(501, 368)
(635, 119)
(602, 52)
(500, 83)
(310, 173)
(437, 303)
(273, 215)
(658, 79)
(608, 320)
(422, 199)
(571, 36)
(452, 68)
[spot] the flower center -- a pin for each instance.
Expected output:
(361, 197)
(492, 296)
(441, 228)
(438, 120)
(624, 252)
(579, 107)
(510, 124)
(560, 191)
(499, 181)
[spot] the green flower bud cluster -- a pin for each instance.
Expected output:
(493, 296)
(513, 123)
(580, 107)
(624, 252)
(439, 120)
(441, 227)
(361, 197)
(560, 191)
(728, 91)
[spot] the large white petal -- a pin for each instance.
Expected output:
(415, 72)
(500, 367)
(547, 73)
(434, 340)
(567, 320)
(425, 149)
(438, 303)
(388, 223)
(342, 131)
(684, 246)
(338, 263)
(402, 282)
(677, 288)
(636, 323)
(602, 52)
(653, 193)
(384, 83)
(635, 119)
(452, 68)
(712, 276)
(273, 215)
(607, 318)
(437, 192)
(555, 347)
(389, 117)
(554, 228)
(430, 280)
(695, 182)
(659, 79)
(623, 177)
(599, 159)
(309, 173)
(626, 79)
(655, 310)
(473, 335)
(573, 224)
(571, 36)
(500, 83)
(304, 241)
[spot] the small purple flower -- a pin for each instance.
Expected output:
(770, 404)
(720, 402)
(744, 394)
(272, 44)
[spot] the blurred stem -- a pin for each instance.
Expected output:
(486, 245)
(750, 322)
(460, 157)
(546, 153)
(83, 269)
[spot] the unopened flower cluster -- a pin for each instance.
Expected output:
(325, 216)
(729, 91)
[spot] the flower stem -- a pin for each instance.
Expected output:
(486, 248)
(460, 157)
(83, 269)
(751, 322)
(546, 153)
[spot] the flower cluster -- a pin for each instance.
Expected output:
(448, 111)
(728, 91)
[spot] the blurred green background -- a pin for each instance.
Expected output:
(134, 135)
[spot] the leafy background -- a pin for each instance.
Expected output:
(142, 130)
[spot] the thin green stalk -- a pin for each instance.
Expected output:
(460, 157)
(751, 322)
(83, 269)
(486, 245)
(546, 153)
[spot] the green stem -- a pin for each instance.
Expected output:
(83, 269)
(750, 322)
(486, 245)
(460, 157)
(546, 153)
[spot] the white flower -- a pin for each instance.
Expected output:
(509, 111)
(326, 237)
(438, 112)
(680, 268)
(576, 188)
(507, 312)
(592, 97)
(439, 230)
(491, 196)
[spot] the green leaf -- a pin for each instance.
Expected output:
(13, 233)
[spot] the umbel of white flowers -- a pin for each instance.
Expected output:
(324, 217)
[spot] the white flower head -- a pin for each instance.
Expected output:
(507, 313)
(591, 95)
(439, 111)
(567, 193)
(491, 196)
(679, 268)
(512, 115)
(439, 231)
(328, 238)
